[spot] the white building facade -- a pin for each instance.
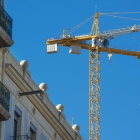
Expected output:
(28, 117)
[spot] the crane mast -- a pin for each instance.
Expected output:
(94, 95)
(94, 64)
(94, 82)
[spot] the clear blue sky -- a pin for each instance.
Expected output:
(67, 75)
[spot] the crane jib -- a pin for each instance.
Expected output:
(76, 43)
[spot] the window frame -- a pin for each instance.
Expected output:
(17, 122)
(33, 131)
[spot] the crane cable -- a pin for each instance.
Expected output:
(121, 17)
(122, 13)
(106, 14)
(79, 25)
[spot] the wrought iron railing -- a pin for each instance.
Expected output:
(20, 137)
(6, 22)
(4, 96)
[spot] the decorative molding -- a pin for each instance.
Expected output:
(27, 104)
(55, 135)
(47, 114)
(10, 85)
(44, 123)
(18, 94)
(17, 103)
(43, 132)
(34, 110)
(41, 109)
(30, 107)
(58, 138)
(33, 121)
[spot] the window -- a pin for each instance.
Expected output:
(2, 3)
(17, 123)
(32, 132)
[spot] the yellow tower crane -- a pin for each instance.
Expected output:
(94, 75)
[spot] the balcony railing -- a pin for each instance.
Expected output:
(20, 137)
(4, 97)
(6, 22)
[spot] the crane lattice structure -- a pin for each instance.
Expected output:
(94, 74)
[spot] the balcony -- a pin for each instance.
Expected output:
(20, 137)
(5, 29)
(4, 103)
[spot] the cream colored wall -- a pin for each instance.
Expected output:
(26, 106)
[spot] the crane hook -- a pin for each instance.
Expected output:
(110, 55)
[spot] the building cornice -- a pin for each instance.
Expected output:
(23, 86)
